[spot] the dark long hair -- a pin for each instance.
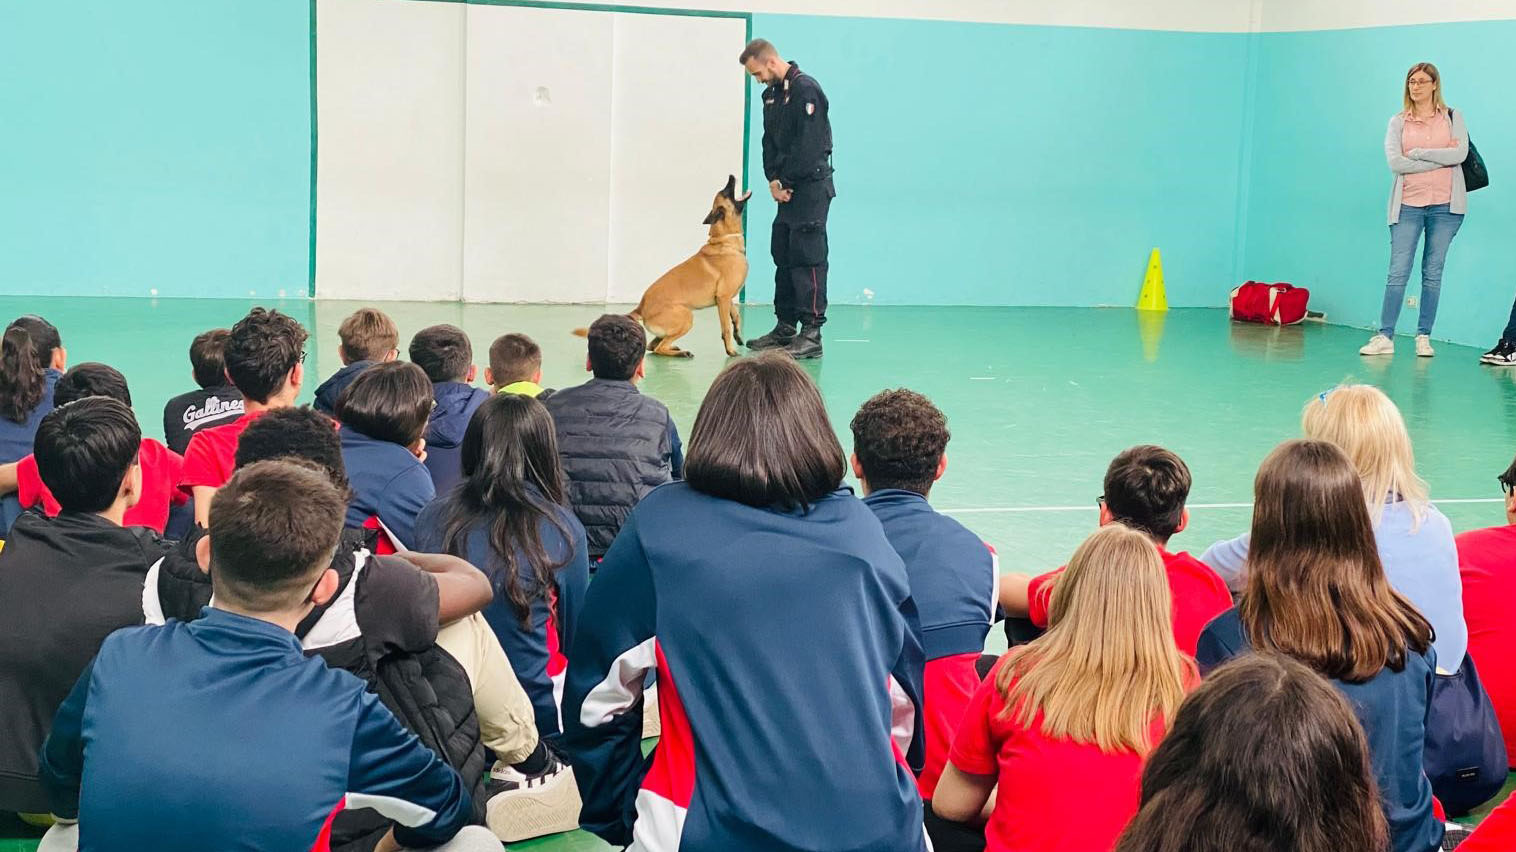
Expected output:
(1316, 589)
(511, 481)
(1264, 756)
(25, 354)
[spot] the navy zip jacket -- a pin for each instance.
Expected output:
(329, 390)
(788, 681)
(16, 439)
(539, 651)
(292, 742)
(388, 483)
(953, 576)
(456, 404)
(1393, 707)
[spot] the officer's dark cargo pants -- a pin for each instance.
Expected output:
(799, 248)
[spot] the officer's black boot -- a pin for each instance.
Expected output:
(807, 344)
(779, 338)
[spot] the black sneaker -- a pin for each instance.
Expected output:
(1503, 355)
(779, 338)
(521, 806)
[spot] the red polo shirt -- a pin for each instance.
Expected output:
(210, 458)
(1199, 596)
(161, 469)
(1487, 565)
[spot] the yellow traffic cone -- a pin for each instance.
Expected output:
(1153, 297)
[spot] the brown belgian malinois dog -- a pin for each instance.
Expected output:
(713, 276)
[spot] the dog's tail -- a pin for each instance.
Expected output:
(636, 314)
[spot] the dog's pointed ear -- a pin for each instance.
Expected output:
(731, 186)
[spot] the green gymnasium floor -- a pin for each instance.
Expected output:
(1039, 399)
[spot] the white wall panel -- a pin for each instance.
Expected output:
(389, 202)
(672, 146)
(1297, 15)
(537, 167)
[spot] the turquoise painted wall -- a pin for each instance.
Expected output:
(1319, 186)
(155, 145)
(1023, 165)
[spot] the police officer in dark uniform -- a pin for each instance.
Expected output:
(797, 160)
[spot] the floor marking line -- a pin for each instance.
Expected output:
(988, 510)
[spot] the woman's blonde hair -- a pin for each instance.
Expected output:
(1431, 71)
(1367, 426)
(1107, 666)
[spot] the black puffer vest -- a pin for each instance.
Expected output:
(615, 447)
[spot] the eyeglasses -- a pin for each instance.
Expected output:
(1100, 501)
(1421, 82)
(1507, 487)
(301, 359)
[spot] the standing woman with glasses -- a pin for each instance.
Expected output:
(1425, 145)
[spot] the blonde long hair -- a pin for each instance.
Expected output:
(1107, 665)
(1431, 71)
(1367, 426)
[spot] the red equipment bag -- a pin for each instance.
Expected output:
(1272, 304)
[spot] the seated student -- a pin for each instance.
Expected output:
(295, 742)
(1317, 592)
(161, 467)
(1265, 755)
(1145, 489)
(1487, 567)
(1414, 539)
(384, 414)
(386, 624)
(67, 582)
(444, 353)
(509, 519)
(616, 443)
(778, 619)
(265, 360)
(32, 359)
(368, 337)
(899, 439)
(516, 366)
(1064, 722)
(214, 402)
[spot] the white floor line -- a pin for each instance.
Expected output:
(992, 510)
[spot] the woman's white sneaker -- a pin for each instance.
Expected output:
(1379, 344)
(1424, 346)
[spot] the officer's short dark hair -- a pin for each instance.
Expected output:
(762, 437)
(91, 379)
(274, 527)
(262, 349)
(758, 48)
(617, 344)
(84, 450)
(514, 358)
(899, 437)
(206, 357)
(300, 433)
(1145, 488)
(391, 402)
(443, 352)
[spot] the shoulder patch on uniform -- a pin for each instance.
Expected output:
(810, 107)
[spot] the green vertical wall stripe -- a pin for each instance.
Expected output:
(747, 139)
(311, 284)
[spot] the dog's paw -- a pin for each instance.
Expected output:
(732, 353)
(685, 353)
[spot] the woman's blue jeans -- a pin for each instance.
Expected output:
(1439, 224)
